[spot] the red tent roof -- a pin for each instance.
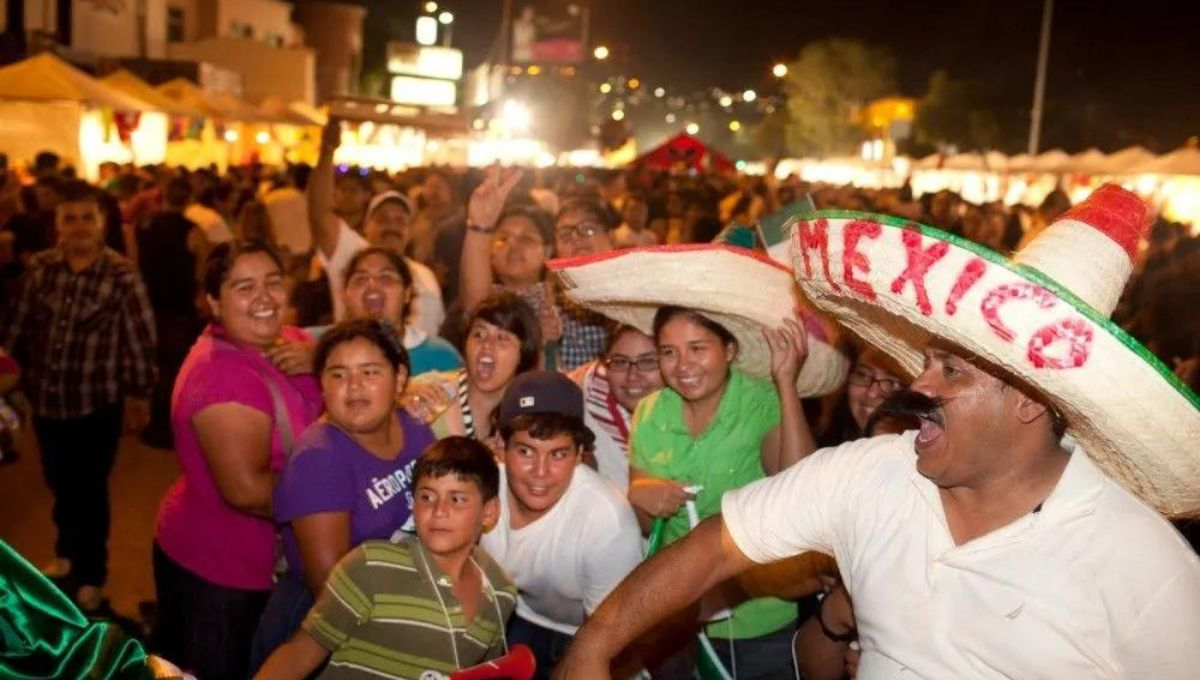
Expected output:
(689, 151)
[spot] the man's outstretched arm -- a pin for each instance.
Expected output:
(661, 586)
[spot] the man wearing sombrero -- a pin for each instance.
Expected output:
(982, 545)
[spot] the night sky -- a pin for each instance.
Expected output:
(1120, 73)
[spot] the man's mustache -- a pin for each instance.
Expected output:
(907, 404)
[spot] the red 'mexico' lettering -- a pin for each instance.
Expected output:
(1074, 331)
(919, 260)
(852, 233)
(1005, 293)
(815, 236)
(967, 278)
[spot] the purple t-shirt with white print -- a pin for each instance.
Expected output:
(330, 472)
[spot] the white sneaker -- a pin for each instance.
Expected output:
(59, 567)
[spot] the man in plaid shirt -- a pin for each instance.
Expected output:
(84, 331)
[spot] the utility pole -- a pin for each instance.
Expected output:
(1039, 84)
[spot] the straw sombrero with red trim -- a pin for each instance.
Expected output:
(738, 288)
(1043, 317)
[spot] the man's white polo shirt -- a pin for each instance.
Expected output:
(1094, 585)
(568, 560)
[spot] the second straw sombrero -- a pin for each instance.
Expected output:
(738, 288)
(1042, 317)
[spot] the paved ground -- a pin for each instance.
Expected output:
(139, 478)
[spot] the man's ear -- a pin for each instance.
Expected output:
(1028, 408)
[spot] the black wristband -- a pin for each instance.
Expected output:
(836, 637)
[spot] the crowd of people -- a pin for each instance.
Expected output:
(405, 446)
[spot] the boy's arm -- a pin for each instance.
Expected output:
(294, 659)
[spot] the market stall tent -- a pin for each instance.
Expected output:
(47, 104)
(686, 150)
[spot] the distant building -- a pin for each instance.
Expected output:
(255, 40)
(334, 31)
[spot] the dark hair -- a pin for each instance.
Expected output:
(379, 333)
(179, 192)
(510, 313)
(46, 161)
(1058, 422)
(463, 457)
(540, 218)
(595, 209)
(222, 256)
(544, 426)
(665, 314)
(77, 191)
(615, 331)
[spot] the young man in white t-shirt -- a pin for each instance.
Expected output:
(385, 224)
(565, 535)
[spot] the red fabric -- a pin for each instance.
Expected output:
(684, 149)
(1117, 213)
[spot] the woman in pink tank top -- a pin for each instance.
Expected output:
(245, 392)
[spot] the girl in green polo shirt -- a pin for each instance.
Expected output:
(715, 428)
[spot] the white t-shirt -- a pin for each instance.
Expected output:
(210, 222)
(569, 559)
(287, 210)
(1094, 585)
(428, 310)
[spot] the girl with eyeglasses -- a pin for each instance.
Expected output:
(612, 387)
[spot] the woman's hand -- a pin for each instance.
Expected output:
(292, 357)
(789, 350)
(658, 497)
(425, 400)
(489, 198)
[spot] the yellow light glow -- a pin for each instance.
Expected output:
(670, 118)
(431, 7)
(262, 137)
(618, 115)
(660, 92)
(692, 128)
(231, 136)
(726, 101)
(634, 83)
(749, 95)
(601, 52)
(605, 88)
(780, 70)
(534, 70)
(735, 125)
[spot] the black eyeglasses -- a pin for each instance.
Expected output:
(620, 364)
(867, 379)
(570, 232)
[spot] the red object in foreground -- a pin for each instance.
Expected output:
(518, 664)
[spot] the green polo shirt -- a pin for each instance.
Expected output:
(727, 455)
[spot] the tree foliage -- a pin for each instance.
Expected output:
(827, 86)
(956, 113)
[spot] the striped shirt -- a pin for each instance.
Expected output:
(86, 338)
(388, 611)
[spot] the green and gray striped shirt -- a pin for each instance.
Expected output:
(380, 617)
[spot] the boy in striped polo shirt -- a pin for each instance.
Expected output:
(415, 607)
